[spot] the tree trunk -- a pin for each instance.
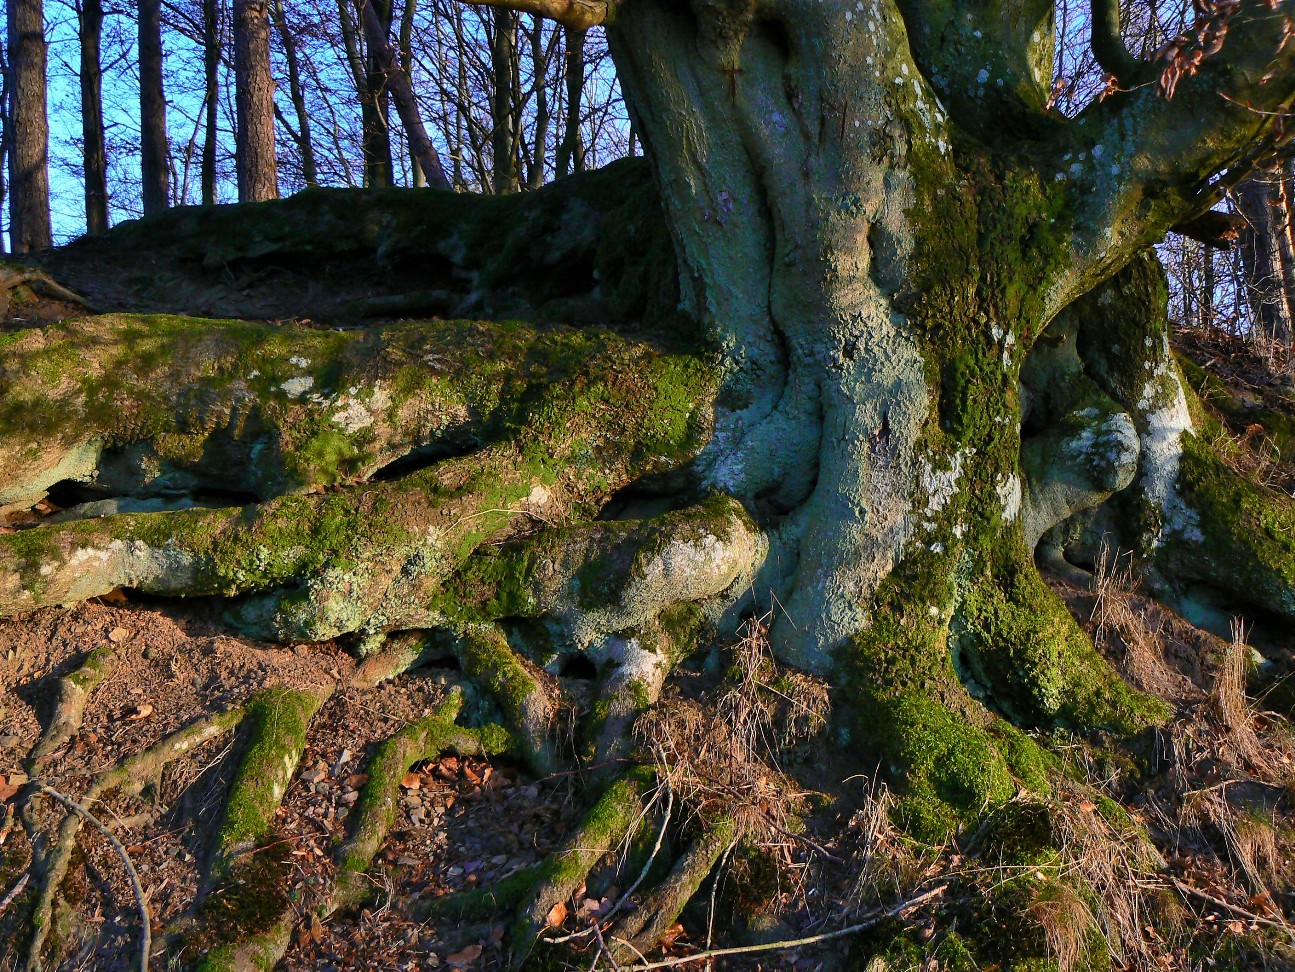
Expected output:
(417, 176)
(374, 108)
(6, 131)
(93, 153)
(394, 79)
(258, 172)
(154, 148)
(503, 70)
(305, 145)
(1263, 254)
(571, 150)
(29, 220)
(211, 97)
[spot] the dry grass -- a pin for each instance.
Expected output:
(720, 755)
(1126, 626)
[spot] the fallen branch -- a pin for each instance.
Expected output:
(1237, 910)
(146, 932)
(867, 923)
(14, 891)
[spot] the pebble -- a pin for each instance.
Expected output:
(8, 742)
(417, 815)
(314, 775)
(454, 871)
(350, 797)
(413, 801)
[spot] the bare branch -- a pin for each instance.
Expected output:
(1109, 47)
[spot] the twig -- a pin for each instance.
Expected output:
(146, 931)
(1237, 910)
(15, 891)
(871, 920)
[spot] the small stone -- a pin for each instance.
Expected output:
(470, 866)
(455, 871)
(314, 775)
(417, 815)
(8, 742)
(18, 778)
(350, 796)
(413, 801)
(499, 860)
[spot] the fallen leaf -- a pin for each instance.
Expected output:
(557, 915)
(357, 780)
(118, 634)
(466, 957)
(140, 712)
(1087, 806)
(7, 790)
(411, 781)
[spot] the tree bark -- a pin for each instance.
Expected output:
(374, 109)
(305, 145)
(93, 152)
(417, 176)
(154, 148)
(29, 219)
(258, 173)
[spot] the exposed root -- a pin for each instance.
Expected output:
(659, 909)
(69, 707)
(375, 812)
(145, 921)
(277, 720)
(131, 773)
(606, 825)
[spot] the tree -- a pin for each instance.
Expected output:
(1268, 252)
(94, 155)
(258, 173)
(211, 37)
(154, 147)
(28, 129)
(925, 347)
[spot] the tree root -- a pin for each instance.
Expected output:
(146, 925)
(131, 773)
(375, 812)
(69, 708)
(644, 927)
(609, 822)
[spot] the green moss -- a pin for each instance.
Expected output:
(1242, 537)
(276, 720)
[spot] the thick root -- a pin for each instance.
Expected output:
(69, 708)
(375, 811)
(277, 723)
(659, 909)
(606, 825)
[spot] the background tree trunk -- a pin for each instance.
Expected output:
(375, 108)
(5, 131)
(571, 150)
(503, 58)
(309, 171)
(211, 96)
(93, 152)
(154, 171)
(29, 222)
(417, 176)
(1264, 248)
(258, 174)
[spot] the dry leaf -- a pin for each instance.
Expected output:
(466, 957)
(140, 712)
(357, 780)
(557, 915)
(118, 635)
(411, 781)
(1087, 806)
(7, 790)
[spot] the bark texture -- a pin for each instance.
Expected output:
(94, 157)
(257, 165)
(29, 222)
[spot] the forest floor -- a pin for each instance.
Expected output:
(1208, 794)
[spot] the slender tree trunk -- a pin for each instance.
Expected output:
(1263, 255)
(154, 172)
(29, 221)
(375, 110)
(419, 177)
(309, 172)
(393, 78)
(6, 130)
(540, 141)
(258, 173)
(571, 150)
(93, 152)
(503, 65)
(211, 97)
